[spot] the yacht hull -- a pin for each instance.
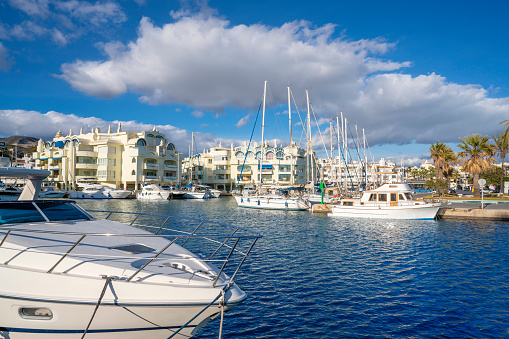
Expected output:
(411, 212)
(272, 203)
(147, 313)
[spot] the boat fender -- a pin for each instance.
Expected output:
(241, 199)
(268, 199)
(286, 203)
(248, 200)
(258, 202)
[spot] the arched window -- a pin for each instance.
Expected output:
(141, 143)
(134, 160)
(239, 154)
(250, 154)
(269, 156)
(280, 155)
(170, 147)
(133, 172)
(150, 136)
(259, 155)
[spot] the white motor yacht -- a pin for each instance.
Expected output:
(50, 192)
(390, 201)
(66, 273)
(197, 192)
(98, 191)
(153, 192)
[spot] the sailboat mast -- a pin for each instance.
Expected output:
(310, 151)
(291, 142)
(191, 162)
(263, 129)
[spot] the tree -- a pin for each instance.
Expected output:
(443, 156)
(502, 147)
(476, 156)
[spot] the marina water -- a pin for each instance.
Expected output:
(314, 276)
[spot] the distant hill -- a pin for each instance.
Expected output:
(20, 141)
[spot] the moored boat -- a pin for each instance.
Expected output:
(153, 192)
(66, 274)
(390, 201)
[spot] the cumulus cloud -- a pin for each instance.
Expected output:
(22, 122)
(204, 62)
(197, 114)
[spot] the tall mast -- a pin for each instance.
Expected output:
(290, 126)
(191, 162)
(263, 129)
(310, 150)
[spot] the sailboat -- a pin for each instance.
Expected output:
(193, 191)
(275, 199)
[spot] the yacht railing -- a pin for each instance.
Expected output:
(227, 250)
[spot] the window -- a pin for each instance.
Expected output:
(239, 154)
(133, 172)
(382, 197)
(141, 143)
(134, 160)
(401, 197)
(394, 197)
(170, 147)
(372, 197)
(280, 155)
(269, 156)
(250, 154)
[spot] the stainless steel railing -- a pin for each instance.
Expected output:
(227, 246)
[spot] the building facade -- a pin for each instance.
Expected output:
(116, 159)
(227, 168)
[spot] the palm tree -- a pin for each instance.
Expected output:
(443, 156)
(501, 148)
(476, 155)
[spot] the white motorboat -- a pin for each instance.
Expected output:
(197, 192)
(98, 191)
(50, 192)
(66, 274)
(9, 191)
(390, 201)
(280, 200)
(153, 192)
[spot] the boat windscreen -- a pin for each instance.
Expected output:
(56, 211)
(24, 212)
(19, 213)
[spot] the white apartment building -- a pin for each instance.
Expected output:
(116, 159)
(357, 174)
(226, 168)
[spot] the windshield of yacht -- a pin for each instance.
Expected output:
(39, 211)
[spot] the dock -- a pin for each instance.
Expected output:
(474, 211)
(321, 208)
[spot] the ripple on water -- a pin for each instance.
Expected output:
(312, 276)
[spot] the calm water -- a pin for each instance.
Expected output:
(313, 276)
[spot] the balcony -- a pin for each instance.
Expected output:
(90, 154)
(150, 166)
(86, 166)
(170, 166)
(225, 171)
(149, 177)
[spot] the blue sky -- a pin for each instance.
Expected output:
(408, 73)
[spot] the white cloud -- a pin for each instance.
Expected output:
(32, 7)
(243, 121)
(205, 63)
(95, 13)
(27, 123)
(197, 114)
